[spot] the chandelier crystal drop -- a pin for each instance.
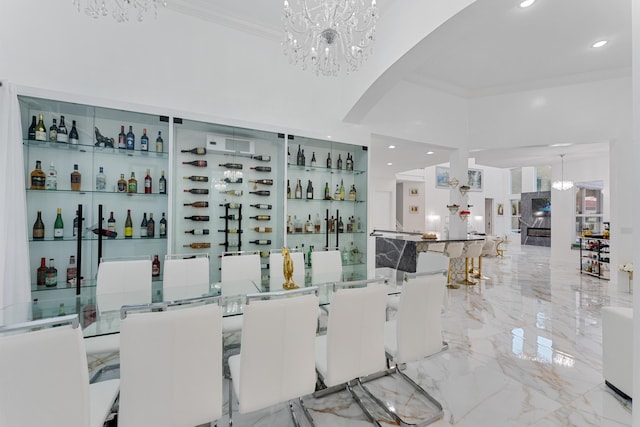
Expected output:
(562, 185)
(329, 34)
(119, 9)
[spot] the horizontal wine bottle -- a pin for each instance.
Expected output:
(261, 206)
(233, 180)
(231, 165)
(231, 231)
(197, 190)
(105, 232)
(198, 245)
(198, 217)
(198, 232)
(263, 229)
(231, 205)
(261, 217)
(232, 217)
(198, 163)
(198, 178)
(261, 168)
(198, 150)
(232, 192)
(197, 204)
(262, 158)
(260, 242)
(261, 192)
(262, 181)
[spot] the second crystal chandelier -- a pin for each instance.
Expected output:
(329, 34)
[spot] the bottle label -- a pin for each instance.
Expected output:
(143, 231)
(41, 135)
(161, 186)
(122, 187)
(58, 232)
(130, 143)
(111, 226)
(38, 233)
(72, 272)
(133, 187)
(121, 142)
(155, 270)
(53, 135)
(63, 137)
(101, 184)
(75, 178)
(38, 182)
(128, 231)
(73, 141)
(144, 145)
(159, 147)
(163, 229)
(147, 185)
(51, 278)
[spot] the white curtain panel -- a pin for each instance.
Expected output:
(15, 281)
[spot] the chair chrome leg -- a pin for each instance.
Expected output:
(293, 414)
(364, 409)
(306, 412)
(230, 402)
(381, 404)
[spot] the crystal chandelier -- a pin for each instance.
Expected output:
(329, 34)
(119, 9)
(562, 184)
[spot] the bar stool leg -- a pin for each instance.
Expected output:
(450, 284)
(479, 274)
(466, 280)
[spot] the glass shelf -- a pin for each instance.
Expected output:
(62, 286)
(95, 238)
(325, 169)
(325, 201)
(323, 233)
(86, 148)
(95, 192)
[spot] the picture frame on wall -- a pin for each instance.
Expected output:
(442, 177)
(500, 209)
(475, 179)
(413, 209)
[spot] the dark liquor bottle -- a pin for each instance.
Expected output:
(132, 185)
(261, 168)
(260, 242)
(38, 228)
(63, 136)
(58, 226)
(288, 190)
(197, 204)
(144, 140)
(198, 232)
(231, 165)
(38, 177)
(76, 179)
(128, 226)
(197, 178)
(299, 156)
(339, 162)
(231, 205)
(163, 226)
(162, 184)
(261, 217)
(197, 217)
(261, 206)
(262, 158)
(313, 159)
(53, 131)
(231, 231)
(197, 163)
(340, 226)
(111, 223)
(232, 217)
(122, 184)
(31, 134)
(261, 192)
(298, 194)
(262, 181)
(304, 159)
(352, 193)
(51, 279)
(233, 180)
(197, 191)
(73, 135)
(41, 273)
(200, 151)
(130, 139)
(349, 162)
(201, 245)
(151, 226)
(309, 190)
(155, 267)
(148, 189)
(122, 138)
(75, 225)
(329, 165)
(41, 131)
(159, 143)
(143, 225)
(327, 191)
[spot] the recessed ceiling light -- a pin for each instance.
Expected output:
(599, 43)
(329, 136)
(527, 3)
(392, 146)
(389, 164)
(429, 153)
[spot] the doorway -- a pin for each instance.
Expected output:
(488, 217)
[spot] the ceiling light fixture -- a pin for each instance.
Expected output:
(392, 147)
(327, 34)
(389, 164)
(527, 3)
(562, 184)
(119, 9)
(599, 43)
(429, 153)
(561, 144)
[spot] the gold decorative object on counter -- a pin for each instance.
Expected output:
(287, 269)
(429, 236)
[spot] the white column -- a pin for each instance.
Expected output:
(459, 161)
(635, 175)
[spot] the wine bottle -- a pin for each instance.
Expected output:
(132, 185)
(73, 135)
(304, 159)
(261, 192)
(261, 168)
(261, 206)
(352, 192)
(200, 151)
(41, 273)
(53, 131)
(143, 225)
(72, 271)
(51, 181)
(38, 178)
(336, 194)
(262, 181)
(260, 242)
(58, 226)
(231, 165)
(231, 205)
(101, 180)
(263, 229)
(76, 179)
(231, 231)
(122, 138)
(155, 267)
(200, 245)
(163, 226)
(31, 134)
(159, 143)
(148, 189)
(41, 131)
(162, 184)
(197, 178)
(313, 159)
(197, 191)
(339, 162)
(261, 217)
(197, 204)
(198, 217)
(111, 223)
(122, 184)
(342, 194)
(128, 226)
(38, 228)
(308, 225)
(327, 191)
(62, 136)
(51, 279)
(197, 163)
(340, 226)
(299, 156)
(144, 140)
(329, 165)
(349, 162)
(198, 232)
(233, 192)
(262, 158)
(309, 190)
(105, 232)
(151, 226)
(233, 180)
(298, 194)
(130, 139)
(288, 190)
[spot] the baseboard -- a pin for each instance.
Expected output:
(618, 391)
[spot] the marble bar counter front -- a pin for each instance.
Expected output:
(401, 250)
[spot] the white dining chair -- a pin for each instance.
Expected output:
(326, 267)
(45, 377)
(276, 274)
(185, 277)
(240, 273)
(171, 363)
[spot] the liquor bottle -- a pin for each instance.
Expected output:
(298, 194)
(62, 136)
(53, 131)
(288, 190)
(41, 273)
(230, 165)
(262, 181)
(111, 223)
(200, 245)
(200, 151)
(198, 232)
(261, 192)
(197, 191)
(342, 194)
(51, 279)
(132, 185)
(260, 242)
(232, 192)
(304, 159)
(329, 164)
(327, 191)
(144, 140)
(233, 180)
(148, 189)
(299, 157)
(75, 224)
(261, 206)
(72, 271)
(313, 159)
(289, 225)
(350, 225)
(197, 217)
(336, 194)
(197, 163)
(31, 134)
(76, 179)
(58, 226)
(231, 205)
(308, 225)
(38, 177)
(197, 204)
(339, 162)
(297, 225)
(231, 231)
(263, 229)
(309, 190)
(128, 226)
(41, 131)
(159, 143)
(162, 184)
(155, 267)
(340, 226)
(197, 178)
(332, 225)
(143, 225)
(262, 158)
(101, 180)
(352, 192)
(73, 135)
(261, 217)
(232, 217)
(122, 138)
(317, 224)
(51, 181)
(349, 162)
(130, 139)
(261, 168)
(38, 228)
(163, 226)
(122, 184)
(151, 226)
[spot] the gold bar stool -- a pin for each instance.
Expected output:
(453, 250)
(471, 250)
(487, 248)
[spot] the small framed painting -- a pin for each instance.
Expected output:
(413, 209)
(500, 209)
(413, 191)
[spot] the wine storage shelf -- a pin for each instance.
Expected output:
(594, 257)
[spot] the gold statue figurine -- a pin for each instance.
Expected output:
(287, 269)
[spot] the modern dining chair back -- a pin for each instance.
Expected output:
(453, 250)
(235, 268)
(171, 364)
(121, 282)
(45, 378)
(326, 267)
(276, 274)
(185, 277)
